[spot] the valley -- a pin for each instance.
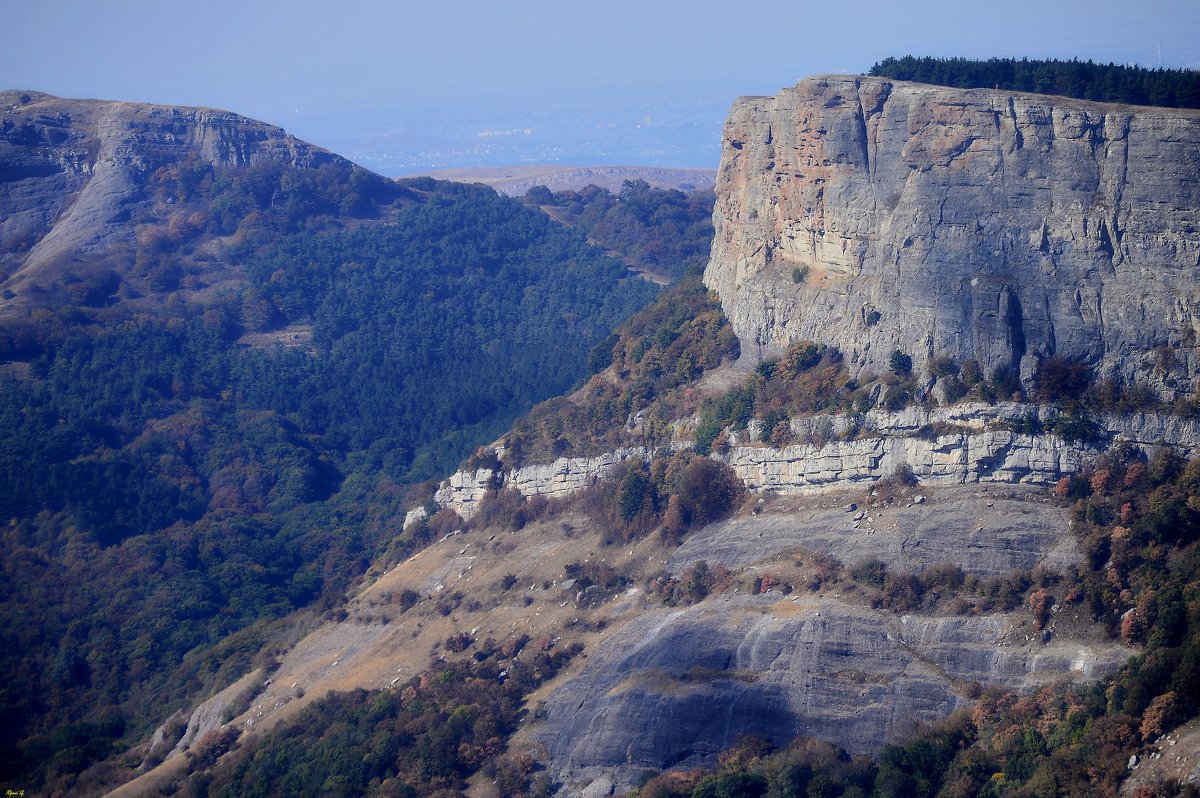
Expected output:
(321, 483)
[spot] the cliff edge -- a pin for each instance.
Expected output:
(876, 215)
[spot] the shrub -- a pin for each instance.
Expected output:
(972, 374)
(1006, 383)
(509, 508)
(407, 599)
(1076, 426)
(1039, 605)
(891, 487)
(802, 356)
(772, 422)
(902, 591)
(1061, 380)
(707, 490)
(942, 366)
(870, 571)
(635, 492)
(953, 388)
(459, 642)
(1025, 423)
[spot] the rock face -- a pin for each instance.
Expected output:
(960, 444)
(876, 215)
(464, 490)
(675, 687)
(70, 169)
(949, 446)
(985, 532)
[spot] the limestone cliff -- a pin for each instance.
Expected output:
(877, 215)
(961, 444)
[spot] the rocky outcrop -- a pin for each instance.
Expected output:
(984, 530)
(464, 490)
(70, 170)
(990, 456)
(675, 687)
(965, 443)
(876, 215)
(672, 687)
(956, 445)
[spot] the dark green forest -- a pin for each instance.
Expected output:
(663, 231)
(170, 489)
(1084, 80)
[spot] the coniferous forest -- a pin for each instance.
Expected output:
(1084, 80)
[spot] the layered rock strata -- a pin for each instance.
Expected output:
(960, 444)
(876, 215)
(464, 490)
(984, 530)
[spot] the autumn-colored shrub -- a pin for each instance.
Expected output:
(1039, 605)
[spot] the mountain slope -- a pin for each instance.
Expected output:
(108, 203)
(75, 172)
(889, 565)
(221, 382)
(688, 549)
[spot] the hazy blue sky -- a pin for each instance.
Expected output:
(334, 71)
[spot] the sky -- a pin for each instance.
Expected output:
(403, 87)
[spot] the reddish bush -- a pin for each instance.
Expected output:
(1039, 605)
(1159, 716)
(459, 642)
(1062, 488)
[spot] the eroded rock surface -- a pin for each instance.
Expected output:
(975, 224)
(674, 687)
(955, 445)
(463, 491)
(983, 532)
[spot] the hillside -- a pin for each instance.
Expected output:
(228, 358)
(659, 233)
(768, 540)
(100, 192)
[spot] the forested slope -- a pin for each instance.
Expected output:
(178, 474)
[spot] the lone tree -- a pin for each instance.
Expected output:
(900, 362)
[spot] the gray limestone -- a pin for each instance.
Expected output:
(975, 224)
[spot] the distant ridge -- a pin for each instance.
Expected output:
(515, 181)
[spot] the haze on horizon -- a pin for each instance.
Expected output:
(403, 87)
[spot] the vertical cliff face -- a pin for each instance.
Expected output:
(876, 215)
